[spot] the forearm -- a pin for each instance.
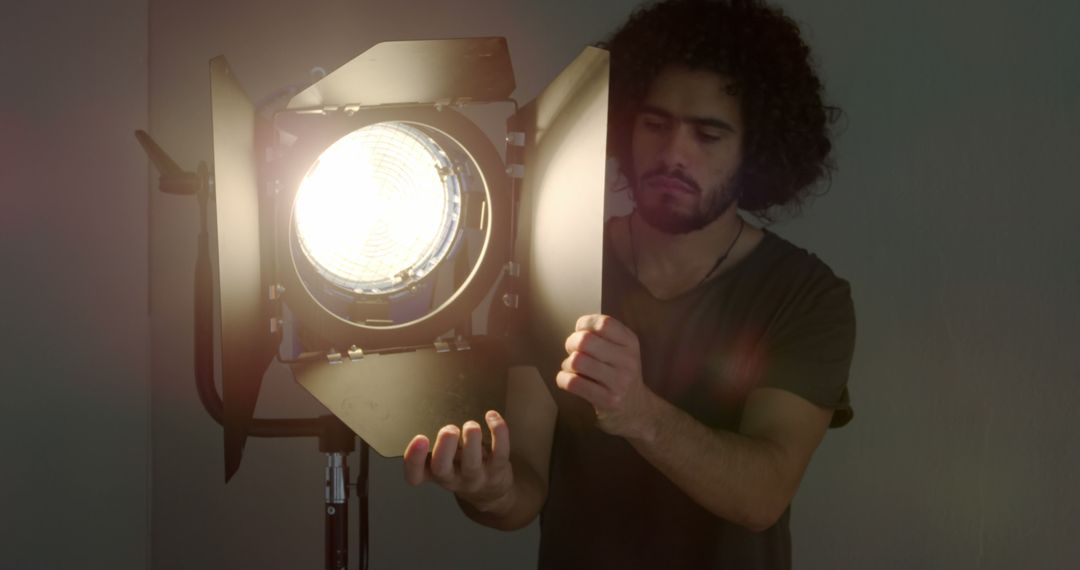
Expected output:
(513, 510)
(747, 477)
(736, 477)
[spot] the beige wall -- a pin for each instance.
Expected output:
(74, 339)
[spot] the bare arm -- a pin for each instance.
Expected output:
(748, 478)
(503, 487)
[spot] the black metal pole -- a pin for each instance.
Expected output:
(337, 442)
(362, 494)
(337, 511)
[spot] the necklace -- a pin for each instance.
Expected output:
(719, 260)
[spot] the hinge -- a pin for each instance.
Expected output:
(515, 138)
(513, 269)
(459, 344)
(515, 154)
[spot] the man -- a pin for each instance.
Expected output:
(688, 412)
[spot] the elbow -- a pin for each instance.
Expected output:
(761, 522)
(510, 525)
(763, 515)
(754, 516)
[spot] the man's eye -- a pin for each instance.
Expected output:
(709, 136)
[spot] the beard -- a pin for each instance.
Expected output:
(686, 209)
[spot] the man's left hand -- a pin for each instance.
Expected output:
(604, 368)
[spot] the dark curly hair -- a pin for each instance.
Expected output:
(786, 142)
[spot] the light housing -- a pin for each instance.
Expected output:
(390, 380)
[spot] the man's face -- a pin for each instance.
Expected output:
(687, 146)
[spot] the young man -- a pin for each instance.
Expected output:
(688, 412)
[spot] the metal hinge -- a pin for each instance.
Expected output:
(515, 171)
(460, 344)
(515, 138)
(515, 154)
(513, 269)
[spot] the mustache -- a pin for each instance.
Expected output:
(675, 174)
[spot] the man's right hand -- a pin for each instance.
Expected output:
(459, 463)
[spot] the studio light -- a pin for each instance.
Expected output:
(358, 228)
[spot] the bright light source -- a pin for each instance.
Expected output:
(379, 209)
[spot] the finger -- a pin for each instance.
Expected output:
(574, 341)
(595, 346)
(582, 387)
(500, 435)
(471, 461)
(609, 328)
(585, 365)
(442, 457)
(415, 459)
(586, 322)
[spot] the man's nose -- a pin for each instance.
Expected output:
(675, 153)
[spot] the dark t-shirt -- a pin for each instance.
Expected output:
(780, 318)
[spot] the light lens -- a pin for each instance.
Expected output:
(379, 208)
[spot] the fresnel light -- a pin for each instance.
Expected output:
(361, 223)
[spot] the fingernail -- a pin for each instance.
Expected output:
(492, 416)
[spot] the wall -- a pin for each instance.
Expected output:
(953, 215)
(74, 346)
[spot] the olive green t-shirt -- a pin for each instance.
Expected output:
(780, 318)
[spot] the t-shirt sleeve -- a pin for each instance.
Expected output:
(812, 344)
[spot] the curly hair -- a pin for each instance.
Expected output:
(786, 144)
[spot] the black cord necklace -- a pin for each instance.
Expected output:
(719, 260)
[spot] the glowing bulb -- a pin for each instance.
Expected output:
(378, 209)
